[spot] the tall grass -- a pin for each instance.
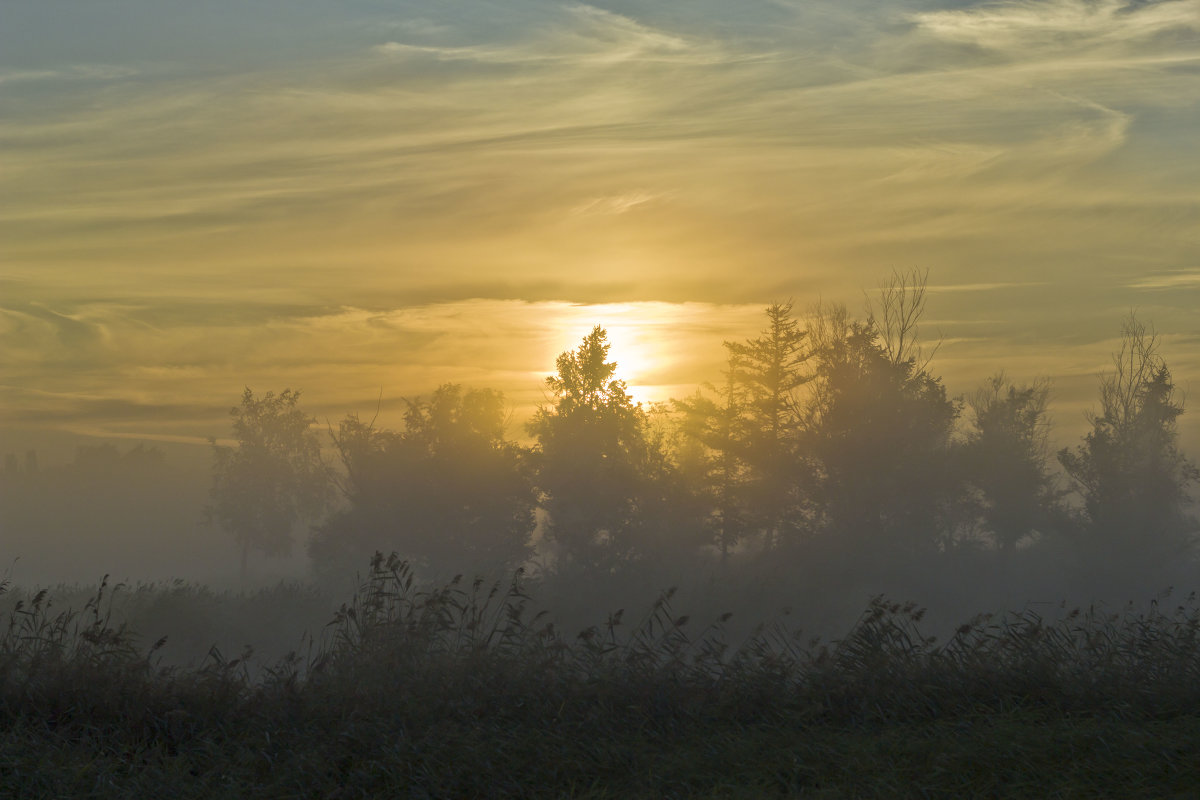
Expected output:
(1126, 662)
(468, 689)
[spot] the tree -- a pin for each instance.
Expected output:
(1133, 479)
(275, 477)
(449, 493)
(769, 369)
(1005, 458)
(593, 457)
(672, 505)
(878, 427)
(897, 317)
(713, 427)
(751, 428)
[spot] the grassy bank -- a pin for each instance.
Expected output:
(466, 691)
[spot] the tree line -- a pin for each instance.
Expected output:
(826, 437)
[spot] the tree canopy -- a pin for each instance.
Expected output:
(449, 492)
(274, 478)
(1132, 476)
(1005, 457)
(601, 475)
(829, 437)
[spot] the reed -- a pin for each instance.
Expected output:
(469, 690)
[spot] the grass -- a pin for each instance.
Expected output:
(465, 691)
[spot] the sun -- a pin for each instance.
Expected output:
(636, 341)
(637, 357)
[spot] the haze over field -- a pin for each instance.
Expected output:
(364, 200)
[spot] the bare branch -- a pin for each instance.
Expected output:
(901, 305)
(1133, 366)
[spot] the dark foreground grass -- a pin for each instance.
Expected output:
(1010, 755)
(461, 692)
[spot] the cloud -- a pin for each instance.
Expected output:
(1053, 28)
(1182, 279)
(33, 334)
(204, 227)
(71, 72)
(979, 287)
(612, 37)
(616, 204)
(486, 144)
(43, 408)
(578, 35)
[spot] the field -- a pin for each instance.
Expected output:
(466, 690)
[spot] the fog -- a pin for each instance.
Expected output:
(825, 466)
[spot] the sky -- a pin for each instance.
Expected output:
(363, 200)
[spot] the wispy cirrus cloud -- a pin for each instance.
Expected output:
(1181, 279)
(1058, 28)
(618, 203)
(211, 218)
(979, 287)
(68, 72)
(579, 34)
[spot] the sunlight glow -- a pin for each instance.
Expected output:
(635, 332)
(650, 341)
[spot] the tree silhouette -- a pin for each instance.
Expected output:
(878, 427)
(1133, 478)
(593, 456)
(896, 315)
(769, 369)
(714, 428)
(449, 493)
(1005, 458)
(273, 479)
(751, 427)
